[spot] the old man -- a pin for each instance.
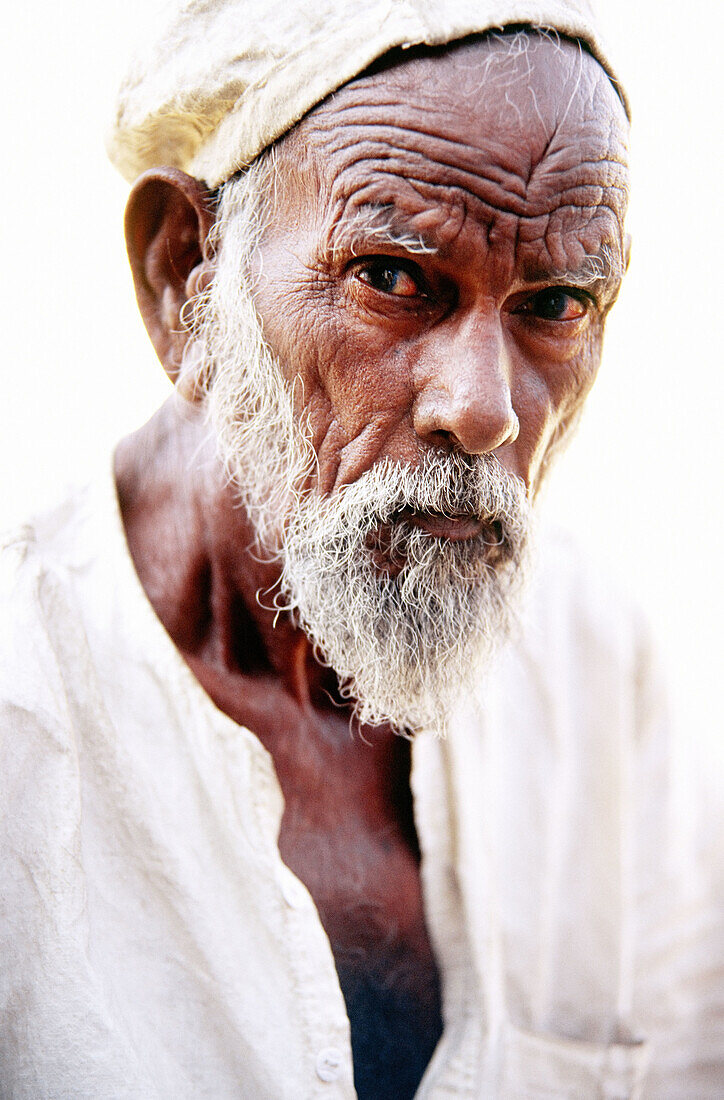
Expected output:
(375, 248)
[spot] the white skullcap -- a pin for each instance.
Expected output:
(228, 77)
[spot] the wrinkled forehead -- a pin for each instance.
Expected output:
(521, 84)
(518, 124)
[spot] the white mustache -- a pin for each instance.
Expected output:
(447, 484)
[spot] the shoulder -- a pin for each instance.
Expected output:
(39, 625)
(28, 588)
(39, 755)
(583, 651)
(575, 598)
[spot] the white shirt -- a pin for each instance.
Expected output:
(154, 945)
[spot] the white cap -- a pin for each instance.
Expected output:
(226, 78)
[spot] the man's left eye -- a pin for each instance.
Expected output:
(556, 304)
(389, 277)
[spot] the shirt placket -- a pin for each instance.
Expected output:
(455, 1069)
(328, 1070)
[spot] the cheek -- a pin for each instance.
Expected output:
(351, 388)
(294, 329)
(550, 405)
(368, 397)
(364, 377)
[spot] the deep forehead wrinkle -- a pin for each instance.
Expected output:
(370, 134)
(512, 149)
(502, 174)
(460, 195)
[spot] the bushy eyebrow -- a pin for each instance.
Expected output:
(604, 268)
(600, 274)
(377, 225)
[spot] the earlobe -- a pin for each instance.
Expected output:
(168, 218)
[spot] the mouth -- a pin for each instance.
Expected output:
(390, 557)
(439, 526)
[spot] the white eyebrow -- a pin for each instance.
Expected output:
(605, 267)
(378, 225)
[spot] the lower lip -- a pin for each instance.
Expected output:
(457, 529)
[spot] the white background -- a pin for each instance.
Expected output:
(642, 482)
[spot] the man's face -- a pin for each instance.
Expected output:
(447, 240)
(424, 322)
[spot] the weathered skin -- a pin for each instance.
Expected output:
(513, 170)
(514, 182)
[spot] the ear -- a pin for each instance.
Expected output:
(626, 251)
(168, 218)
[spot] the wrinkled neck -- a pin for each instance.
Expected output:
(198, 559)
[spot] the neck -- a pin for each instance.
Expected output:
(198, 560)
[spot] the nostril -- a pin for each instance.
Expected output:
(470, 433)
(444, 440)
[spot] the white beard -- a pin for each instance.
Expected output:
(406, 618)
(405, 627)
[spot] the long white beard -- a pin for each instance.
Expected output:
(406, 638)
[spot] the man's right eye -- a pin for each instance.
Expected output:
(389, 276)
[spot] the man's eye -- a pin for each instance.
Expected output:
(556, 304)
(389, 277)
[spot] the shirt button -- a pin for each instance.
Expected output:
(329, 1064)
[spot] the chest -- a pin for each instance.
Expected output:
(348, 834)
(366, 885)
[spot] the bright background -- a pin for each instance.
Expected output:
(641, 483)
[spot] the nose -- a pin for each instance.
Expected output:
(464, 399)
